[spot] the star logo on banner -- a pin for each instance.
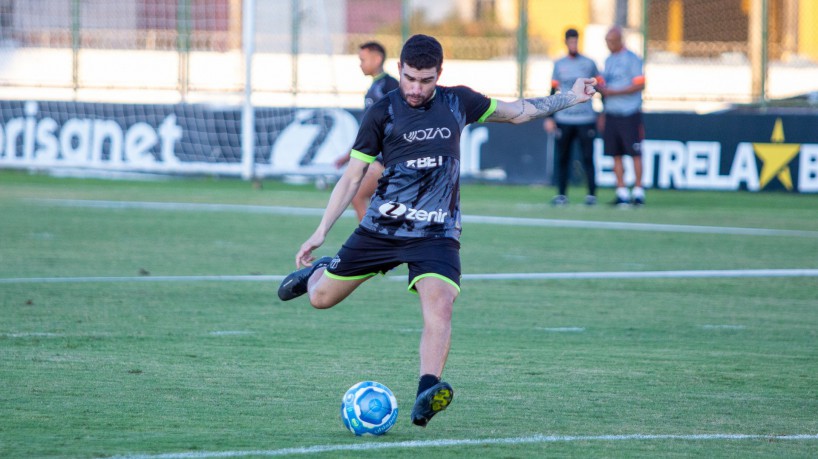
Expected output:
(776, 157)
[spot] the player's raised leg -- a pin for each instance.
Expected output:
(324, 292)
(297, 282)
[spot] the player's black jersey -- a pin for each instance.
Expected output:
(418, 194)
(381, 86)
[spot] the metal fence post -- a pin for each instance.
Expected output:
(645, 6)
(248, 119)
(183, 45)
(404, 20)
(75, 46)
(758, 50)
(295, 27)
(522, 47)
(765, 28)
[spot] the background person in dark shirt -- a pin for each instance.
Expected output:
(372, 56)
(414, 217)
(576, 123)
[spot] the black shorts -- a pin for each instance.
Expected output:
(366, 254)
(623, 135)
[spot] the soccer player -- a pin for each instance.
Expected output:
(623, 130)
(372, 56)
(414, 217)
(576, 123)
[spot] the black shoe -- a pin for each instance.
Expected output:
(295, 284)
(621, 203)
(430, 402)
(638, 202)
(559, 200)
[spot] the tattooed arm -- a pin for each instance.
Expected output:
(524, 110)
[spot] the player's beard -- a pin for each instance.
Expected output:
(416, 100)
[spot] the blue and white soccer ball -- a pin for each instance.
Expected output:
(369, 408)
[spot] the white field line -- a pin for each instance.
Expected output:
(480, 219)
(467, 442)
(101, 335)
(562, 329)
(645, 274)
(652, 227)
(189, 206)
(32, 335)
(79, 280)
(737, 273)
(230, 333)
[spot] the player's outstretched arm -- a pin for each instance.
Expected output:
(524, 110)
(339, 200)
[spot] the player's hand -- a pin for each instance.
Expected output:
(584, 88)
(550, 125)
(304, 256)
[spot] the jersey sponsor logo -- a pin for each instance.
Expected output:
(427, 134)
(396, 210)
(425, 163)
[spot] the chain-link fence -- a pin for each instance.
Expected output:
(699, 52)
(734, 50)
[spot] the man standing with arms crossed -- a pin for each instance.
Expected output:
(621, 92)
(577, 122)
(372, 55)
(414, 216)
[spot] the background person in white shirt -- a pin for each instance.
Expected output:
(621, 123)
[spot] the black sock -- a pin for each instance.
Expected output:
(427, 381)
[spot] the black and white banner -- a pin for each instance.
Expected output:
(682, 151)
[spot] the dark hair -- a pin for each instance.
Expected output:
(571, 33)
(374, 46)
(422, 52)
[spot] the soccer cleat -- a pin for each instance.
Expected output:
(295, 284)
(590, 200)
(559, 200)
(430, 402)
(638, 202)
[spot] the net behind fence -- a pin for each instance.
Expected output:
(305, 50)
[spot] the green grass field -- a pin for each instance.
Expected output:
(138, 366)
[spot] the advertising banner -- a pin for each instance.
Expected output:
(742, 151)
(751, 152)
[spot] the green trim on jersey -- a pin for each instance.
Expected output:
(362, 156)
(489, 111)
(348, 278)
(437, 276)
